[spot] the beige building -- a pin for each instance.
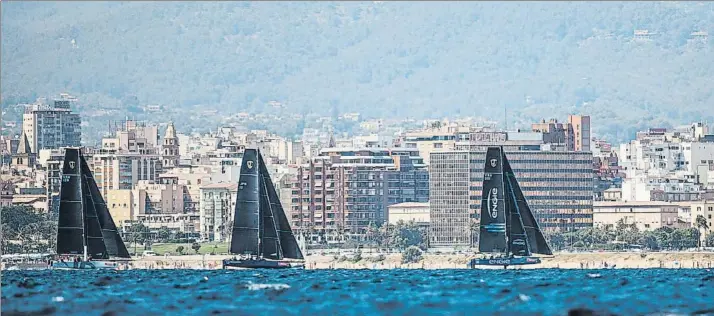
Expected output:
(581, 131)
(131, 136)
(612, 194)
(646, 215)
(705, 209)
(159, 198)
(121, 205)
(435, 139)
(409, 211)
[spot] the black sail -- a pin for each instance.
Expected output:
(70, 226)
(92, 230)
(492, 230)
(112, 240)
(288, 242)
(269, 240)
(517, 239)
(246, 219)
(536, 240)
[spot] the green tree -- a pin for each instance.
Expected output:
(179, 250)
(412, 255)
(701, 224)
(474, 229)
(557, 241)
(196, 246)
(404, 235)
(17, 217)
(164, 234)
(710, 240)
(137, 232)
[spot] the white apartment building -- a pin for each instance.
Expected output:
(217, 206)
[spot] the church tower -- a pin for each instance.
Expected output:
(170, 148)
(23, 158)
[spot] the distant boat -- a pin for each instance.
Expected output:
(261, 234)
(86, 234)
(508, 230)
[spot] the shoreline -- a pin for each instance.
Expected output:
(619, 260)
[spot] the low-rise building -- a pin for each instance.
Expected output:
(646, 215)
(706, 210)
(409, 211)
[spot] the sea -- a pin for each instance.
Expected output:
(359, 292)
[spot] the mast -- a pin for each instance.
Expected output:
(76, 166)
(270, 240)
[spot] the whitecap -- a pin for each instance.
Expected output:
(275, 286)
(58, 299)
(524, 298)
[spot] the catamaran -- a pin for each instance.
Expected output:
(508, 232)
(261, 236)
(87, 237)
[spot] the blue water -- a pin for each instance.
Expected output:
(357, 292)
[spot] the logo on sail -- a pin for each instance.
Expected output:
(493, 162)
(71, 164)
(250, 164)
(493, 202)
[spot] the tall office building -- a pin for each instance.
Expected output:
(51, 126)
(558, 186)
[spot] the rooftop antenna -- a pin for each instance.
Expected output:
(505, 116)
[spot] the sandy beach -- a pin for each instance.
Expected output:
(619, 260)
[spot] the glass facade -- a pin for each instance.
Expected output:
(557, 184)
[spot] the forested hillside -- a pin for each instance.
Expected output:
(416, 59)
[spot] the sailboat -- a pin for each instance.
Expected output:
(86, 234)
(261, 234)
(508, 230)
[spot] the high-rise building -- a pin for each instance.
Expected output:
(558, 186)
(51, 126)
(581, 131)
(339, 193)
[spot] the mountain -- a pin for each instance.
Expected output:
(382, 59)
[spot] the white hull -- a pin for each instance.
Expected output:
(81, 265)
